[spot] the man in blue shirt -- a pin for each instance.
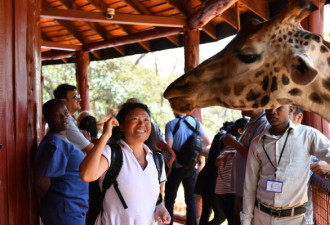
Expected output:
(179, 173)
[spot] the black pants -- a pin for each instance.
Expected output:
(227, 202)
(210, 203)
(188, 178)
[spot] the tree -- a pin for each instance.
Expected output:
(113, 81)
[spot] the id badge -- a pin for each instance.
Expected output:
(274, 186)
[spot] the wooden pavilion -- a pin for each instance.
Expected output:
(41, 32)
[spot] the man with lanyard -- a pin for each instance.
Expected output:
(255, 126)
(277, 171)
(69, 95)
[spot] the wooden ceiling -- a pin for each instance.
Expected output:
(139, 26)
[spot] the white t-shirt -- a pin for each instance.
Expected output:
(139, 188)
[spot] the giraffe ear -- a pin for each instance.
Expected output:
(303, 72)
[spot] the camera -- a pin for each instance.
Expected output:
(110, 13)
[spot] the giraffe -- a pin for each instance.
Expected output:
(266, 65)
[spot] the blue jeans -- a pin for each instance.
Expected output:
(188, 178)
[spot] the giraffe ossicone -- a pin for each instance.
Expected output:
(266, 65)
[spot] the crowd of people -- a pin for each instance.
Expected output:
(257, 170)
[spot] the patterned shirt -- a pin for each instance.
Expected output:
(224, 184)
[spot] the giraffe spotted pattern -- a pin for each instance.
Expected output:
(266, 65)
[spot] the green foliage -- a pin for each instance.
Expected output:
(111, 82)
(55, 75)
(214, 117)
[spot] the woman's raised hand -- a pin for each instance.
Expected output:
(108, 125)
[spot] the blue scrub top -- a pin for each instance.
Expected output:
(60, 160)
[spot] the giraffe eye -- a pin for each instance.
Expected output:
(249, 58)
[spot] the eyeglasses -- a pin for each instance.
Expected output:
(76, 96)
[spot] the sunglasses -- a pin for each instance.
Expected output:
(76, 96)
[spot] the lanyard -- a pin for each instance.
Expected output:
(279, 160)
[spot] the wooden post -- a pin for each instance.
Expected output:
(191, 40)
(314, 23)
(82, 62)
(20, 109)
(191, 53)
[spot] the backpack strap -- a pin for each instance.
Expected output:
(177, 126)
(112, 173)
(159, 161)
(195, 130)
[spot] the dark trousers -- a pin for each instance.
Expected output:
(227, 203)
(188, 178)
(210, 203)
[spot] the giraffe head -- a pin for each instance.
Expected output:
(266, 65)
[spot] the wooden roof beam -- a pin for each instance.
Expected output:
(60, 46)
(138, 6)
(208, 11)
(145, 45)
(105, 35)
(230, 16)
(71, 28)
(208, 29)
(55, 55)
(174, 39)
(133, 38)
(69, 4)
(119, 18)
(100, 5)
(97, 54)
(180, 5)
(259, 7)
(143, 10)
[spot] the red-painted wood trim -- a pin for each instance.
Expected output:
(82, 62)
(33, 61)
(6, 105)
(18, 172)
(191, 40)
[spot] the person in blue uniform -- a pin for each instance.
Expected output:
(64, 196)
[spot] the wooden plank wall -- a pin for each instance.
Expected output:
(6, 106)
(19, 109)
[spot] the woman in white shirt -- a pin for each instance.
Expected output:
(138, 178)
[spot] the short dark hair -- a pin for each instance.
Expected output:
(125, 109)
(62, 89)
(88, 123)
(227, 125)
(241, 123)
(49, 106)
(297, 110)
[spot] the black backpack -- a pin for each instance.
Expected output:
(188, 154)
(96, 197)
